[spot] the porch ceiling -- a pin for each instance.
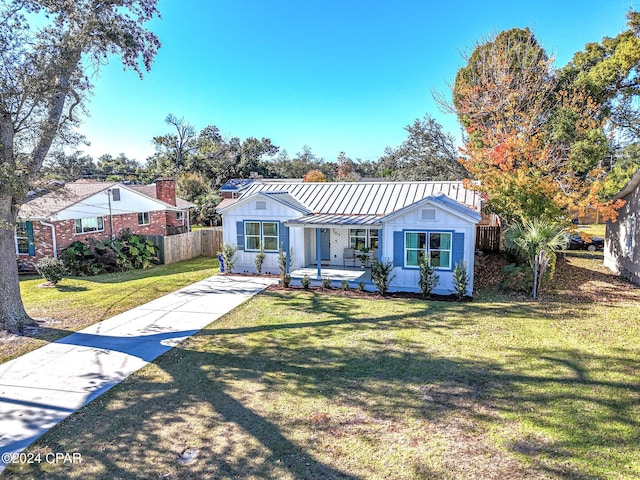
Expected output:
(322, 220)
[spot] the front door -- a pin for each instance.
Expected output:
(325, 244)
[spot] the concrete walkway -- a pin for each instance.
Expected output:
(42, 387)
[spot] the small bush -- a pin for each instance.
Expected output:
(517, 278)
(361, 287)
(381, 276)
(228, 257)
(51, 269)
(326, 282)
(460, 278)
(429, 279)
(306, 282)
(286, 280)
(282, 262)
(344, 285)
(259, 260)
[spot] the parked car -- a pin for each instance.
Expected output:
(576, 242)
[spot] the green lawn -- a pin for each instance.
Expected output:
(79, 302)
(297, 385)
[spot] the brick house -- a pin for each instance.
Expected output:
(49, 223)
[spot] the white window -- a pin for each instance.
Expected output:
(179, 215)
(261, 234)
(144, 218)
(435, 246)
(86, 225)
(24, 236)
(360, 238)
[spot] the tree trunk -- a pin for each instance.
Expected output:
(12, 314)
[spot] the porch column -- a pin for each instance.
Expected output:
(319, 251)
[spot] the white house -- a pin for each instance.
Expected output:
(337, 230)
(622, 240)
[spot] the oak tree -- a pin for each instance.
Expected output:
(48, 50)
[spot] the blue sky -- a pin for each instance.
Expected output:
(335, 75)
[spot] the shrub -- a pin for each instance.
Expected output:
(286, 280)
(77, 257)
(361, 287)
(51, 269)
(380, 276)
(306, 282)
(259, 260)
(344, 285)
(429, 279)
(127, 252)
(228, 257)
(282, 262)
(517, 278)
(326, 282)
(460, 278)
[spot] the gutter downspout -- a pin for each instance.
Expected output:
(53, 237)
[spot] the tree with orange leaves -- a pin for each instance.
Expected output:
(535, 137)
(314, 176)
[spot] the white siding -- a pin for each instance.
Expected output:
(98, 205)
(246, 211)
(407, 279)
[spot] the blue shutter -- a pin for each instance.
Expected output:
(240, 233)
(398, 249)
(31, 239)
(457, 251)
(283, 233)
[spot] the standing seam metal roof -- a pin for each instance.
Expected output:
(365, 198)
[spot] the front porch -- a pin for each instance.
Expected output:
(337, 274)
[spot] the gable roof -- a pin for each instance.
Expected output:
(442, 201)
(49, 204)
(286, 199)
(53, 202)
(366, 198)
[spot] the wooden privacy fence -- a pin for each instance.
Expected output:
(487, 238)
(177, 248)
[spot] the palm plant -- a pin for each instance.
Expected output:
(537, 241)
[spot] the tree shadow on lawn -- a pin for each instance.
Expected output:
(270, 402)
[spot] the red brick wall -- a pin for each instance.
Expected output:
(66, 234)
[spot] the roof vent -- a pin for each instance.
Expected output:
(261, 205)
(429, 214)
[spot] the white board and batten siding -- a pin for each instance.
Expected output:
(263, 210)
(428, 218)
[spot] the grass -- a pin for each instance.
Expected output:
(79, 302)
(297, 384)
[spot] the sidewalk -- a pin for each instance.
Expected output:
(43, 387)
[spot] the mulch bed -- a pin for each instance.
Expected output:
(370, 295)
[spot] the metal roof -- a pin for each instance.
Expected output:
(235, 184)
(327, 219)
(287, 200)
(365, 198)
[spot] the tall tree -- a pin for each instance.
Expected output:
(535, 137)
(70, 167)
(428, 153)
(46, 48)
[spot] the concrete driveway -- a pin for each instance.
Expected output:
(42, 387)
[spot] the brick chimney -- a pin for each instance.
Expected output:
(166, 190)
